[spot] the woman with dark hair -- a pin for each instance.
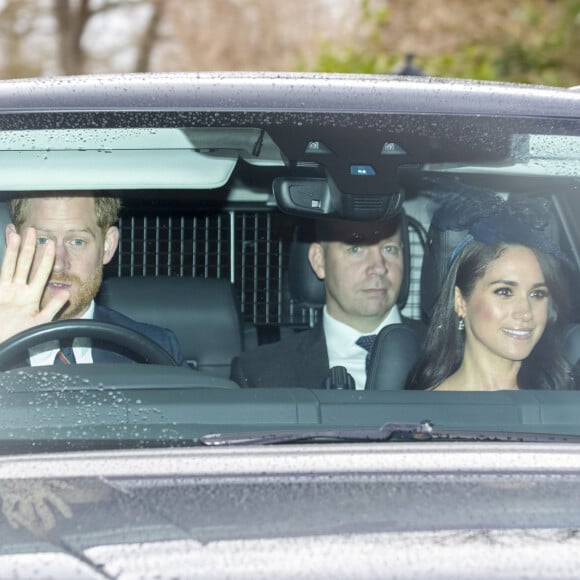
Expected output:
(499, 319)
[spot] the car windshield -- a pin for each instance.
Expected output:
(223, 181)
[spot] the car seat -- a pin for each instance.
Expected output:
(394, 353)
(203, 313)
(438, 249)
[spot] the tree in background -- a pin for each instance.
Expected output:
(534, 41)
(44, 37)
(18, 51)
(48, 37)
(246, 34)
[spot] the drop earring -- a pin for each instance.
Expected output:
(460, 324)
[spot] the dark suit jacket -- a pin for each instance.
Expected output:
(162, 336)
(299, 360)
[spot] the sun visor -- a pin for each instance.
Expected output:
(132, 158)
(253, 145)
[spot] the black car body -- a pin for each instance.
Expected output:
(165, 471)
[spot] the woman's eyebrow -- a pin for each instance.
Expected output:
(515, 283)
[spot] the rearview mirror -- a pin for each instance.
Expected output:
(319, 197)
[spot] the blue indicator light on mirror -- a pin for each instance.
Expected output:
(362, 170)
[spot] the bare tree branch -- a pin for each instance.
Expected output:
(71, 24)
(150, 37)
(17, 24)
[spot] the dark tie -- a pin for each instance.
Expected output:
(65, 356)
(367, 342)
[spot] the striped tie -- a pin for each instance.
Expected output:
(65, 356)
(367, 342)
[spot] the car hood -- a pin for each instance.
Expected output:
(341, 509)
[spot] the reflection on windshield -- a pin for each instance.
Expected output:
(36, 504)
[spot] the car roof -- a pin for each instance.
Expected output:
(329, 92)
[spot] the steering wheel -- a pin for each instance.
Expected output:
(135, 343)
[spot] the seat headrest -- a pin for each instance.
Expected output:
(203, 313)
(307, 290)
(438, 249)
(571, 347)
(394, 353)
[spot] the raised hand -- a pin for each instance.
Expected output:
(21, 288)
(35, 504)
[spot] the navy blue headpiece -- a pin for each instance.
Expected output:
(489, 218)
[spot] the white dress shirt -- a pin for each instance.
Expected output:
(342, 348)
(44, 353)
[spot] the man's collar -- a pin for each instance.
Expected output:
(393, 317)
(90, 313)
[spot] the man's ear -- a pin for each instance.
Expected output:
(459, 303)
(316, 259)
(111, 243)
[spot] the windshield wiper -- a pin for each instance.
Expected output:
(423, 431)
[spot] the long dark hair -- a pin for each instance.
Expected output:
(544, 368)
